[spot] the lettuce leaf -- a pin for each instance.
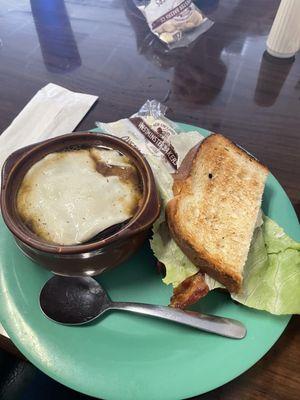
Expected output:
(271, 274)
(178, 266)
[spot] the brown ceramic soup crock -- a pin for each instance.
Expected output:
(97, 255)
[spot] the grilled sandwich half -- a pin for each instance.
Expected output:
(217, 198)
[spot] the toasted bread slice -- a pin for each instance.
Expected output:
(218, 193)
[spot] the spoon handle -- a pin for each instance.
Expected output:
(221, 326)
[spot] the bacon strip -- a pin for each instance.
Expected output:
(189, 291)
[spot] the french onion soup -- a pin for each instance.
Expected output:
(70, 197)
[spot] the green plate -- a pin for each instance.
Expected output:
(125, 356)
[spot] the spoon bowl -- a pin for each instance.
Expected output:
(73, 301)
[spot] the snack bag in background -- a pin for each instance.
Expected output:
(177, 23)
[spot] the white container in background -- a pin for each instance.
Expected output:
(284, 37)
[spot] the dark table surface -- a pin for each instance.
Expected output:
(223, 83)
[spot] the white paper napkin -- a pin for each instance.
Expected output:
(52, 111)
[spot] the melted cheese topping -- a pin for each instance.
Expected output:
(69, 197)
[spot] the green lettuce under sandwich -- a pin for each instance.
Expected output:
(211, 242)
(271, 273)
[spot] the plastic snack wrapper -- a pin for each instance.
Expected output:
(272, 271)
(159, 139)
(177, 23)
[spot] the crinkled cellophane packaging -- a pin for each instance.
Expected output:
(177, 23)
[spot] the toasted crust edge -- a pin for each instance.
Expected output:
(242, 151)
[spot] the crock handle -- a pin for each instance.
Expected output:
(10, 162)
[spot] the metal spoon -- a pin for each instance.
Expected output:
(77, 301)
